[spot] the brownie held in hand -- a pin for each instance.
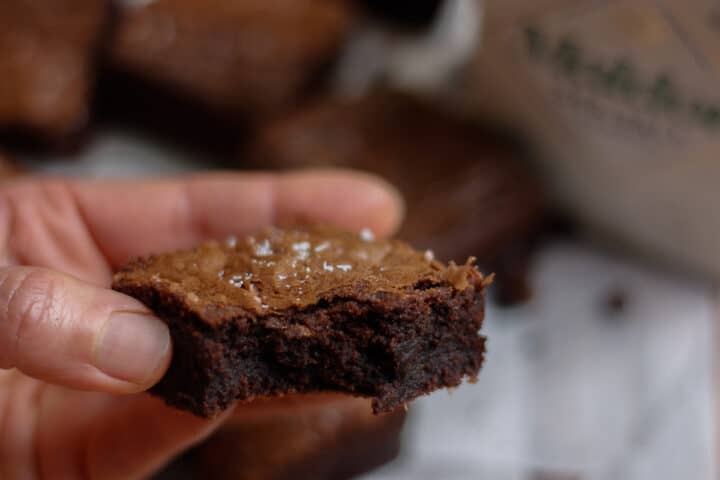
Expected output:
(310, 310)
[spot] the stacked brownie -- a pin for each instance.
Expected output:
(47, 64)
(466, 192)
(8, 167)
(248, 56)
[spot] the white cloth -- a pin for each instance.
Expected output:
(571, 391)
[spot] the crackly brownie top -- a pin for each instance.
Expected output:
(280, 269)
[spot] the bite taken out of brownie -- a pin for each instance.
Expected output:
(310, 310)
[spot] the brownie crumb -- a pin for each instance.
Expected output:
(615, 303)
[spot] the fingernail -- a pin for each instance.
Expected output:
(132, 347)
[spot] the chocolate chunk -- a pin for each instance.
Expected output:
(47, 52)
(466, 193)
(310, 310)
(245, 56)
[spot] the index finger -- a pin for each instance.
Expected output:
(128, 219)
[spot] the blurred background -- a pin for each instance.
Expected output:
(571, 146)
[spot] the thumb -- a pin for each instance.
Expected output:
(61, 330)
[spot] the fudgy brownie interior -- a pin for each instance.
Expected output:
(310, 310)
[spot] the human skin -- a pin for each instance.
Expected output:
(76, 356)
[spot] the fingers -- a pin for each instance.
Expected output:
(18, 422)
(131, 219)
(64, 331)
(40, 224)
(87, 228)
(142, 435)
(93, 435)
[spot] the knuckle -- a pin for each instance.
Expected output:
(28, 302)
(33, 206)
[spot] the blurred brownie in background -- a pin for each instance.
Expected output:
(8, 167)
(247, 57)
(404, 13)
(47, 56)
(466, 194)
(298, 437)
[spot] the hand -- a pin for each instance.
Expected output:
(74, 354)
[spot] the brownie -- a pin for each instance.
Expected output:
(467, 192)
(47, 53)
(323, 437)
(8, 167)
(246, 57)
(404, 13)
(310, 310)
(167, 117)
